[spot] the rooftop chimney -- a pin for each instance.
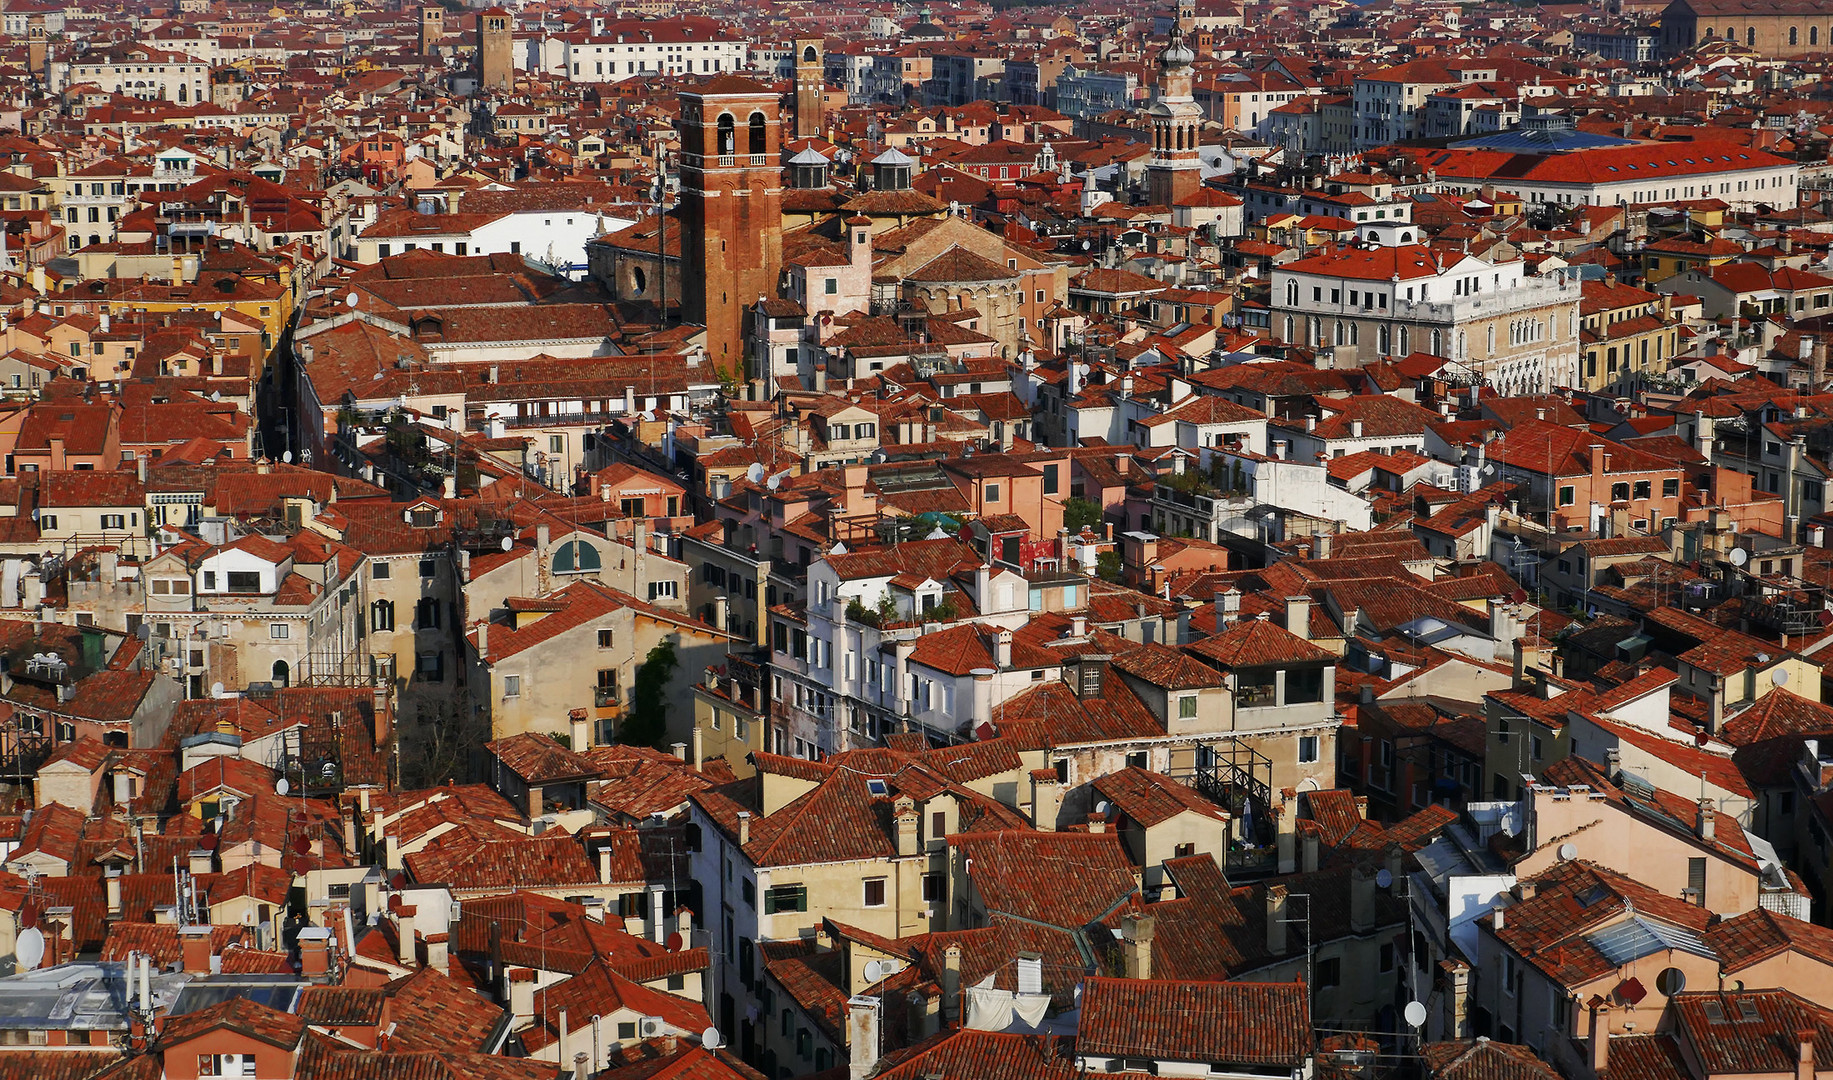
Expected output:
(1298, 616)
(1136, 934)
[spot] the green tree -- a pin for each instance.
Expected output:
(648, 720)
(1079, 512)
(1107, 565)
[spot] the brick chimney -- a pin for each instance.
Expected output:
(195, 943)
(314, 952)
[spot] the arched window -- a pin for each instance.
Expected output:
(1438, 343)
(1794, 35)
(1813, 35)
(757, 133)
(575, 557)
(1291, 294)
(382, 615)
(808, 55)
(727, 141)
(1288, 336)
(1386, 340)
(283, 674)
(1406, 238)
(1405, 342)
(1750, 36)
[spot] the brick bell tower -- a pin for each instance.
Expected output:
(731, 209)
(1173, 172)
(811, 85)
(432, 28)
(496, 68)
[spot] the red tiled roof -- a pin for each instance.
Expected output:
(1260, 1024)
(1257, 643)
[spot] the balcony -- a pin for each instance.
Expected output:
(1531, 293)
(606, 697)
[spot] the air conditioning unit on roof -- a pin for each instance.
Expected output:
(650, 1027)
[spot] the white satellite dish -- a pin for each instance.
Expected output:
(755, 473)
(1383, 879)
(1779, 676)
(1762, 658)
(216, 689)
(1739, 556)
(1568, 852)
(1101, 808)
(29, 950)
(710, 1040)
(1415, 1014)
(775, 482)
(281, 787)
(875, 970)
(287, 457)
(509, 542)
(350, 301)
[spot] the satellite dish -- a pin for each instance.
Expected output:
(755, 473)
(1519, 596)
(30, 948)
(1568, 852)
(509, 542)
(287, 457)
(710, 1040)
(1739, 556)
(350, 301)
(1779, 676)
(674, 942)
(281, 787)
(775, 482)
(1415, 1014)
(302, 846)
(875, 970)
(1762, 658)
(216, 689)
(1383, 878)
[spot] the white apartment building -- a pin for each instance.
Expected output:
(1388, 295)
(628, 48)
(1630, 173)
(556, 238)
(137, 71)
